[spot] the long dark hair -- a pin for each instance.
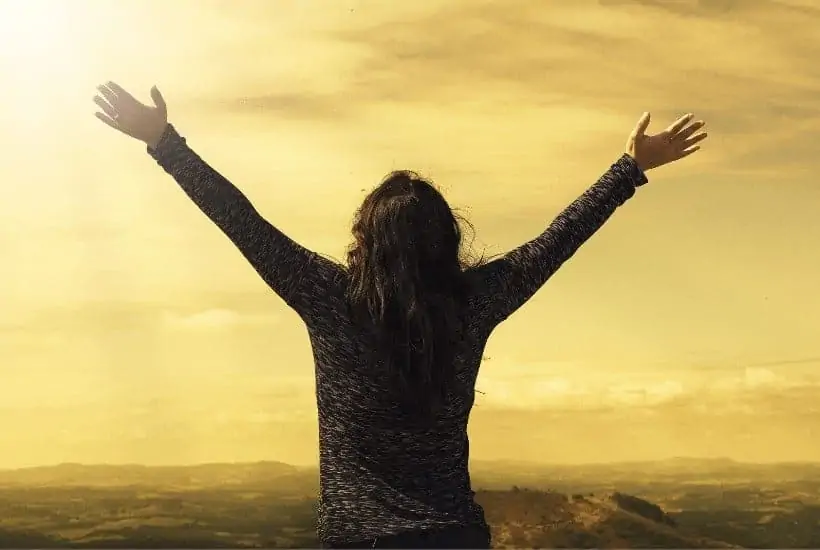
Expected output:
(407, 282)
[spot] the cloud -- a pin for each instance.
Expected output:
(556, 49)
(572, 76)
(687, 7)
(288, 104)
(568, 394)
(216, 318)
(56, 325)
(749, 390)
(208, 319)
(753, 378)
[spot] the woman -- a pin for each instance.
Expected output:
(398, 333)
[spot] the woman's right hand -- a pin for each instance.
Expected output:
(123, 112)
(680, 139)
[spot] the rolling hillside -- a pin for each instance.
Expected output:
(679, 504)
(522, 518)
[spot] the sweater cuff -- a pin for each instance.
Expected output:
(168, 143)
(629, 168)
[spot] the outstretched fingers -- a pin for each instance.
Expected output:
(684, 137)
(679, 124)
(690, 145)
(691, 141)
(120, 92)
(687, 152)
(108, 120)
(687, 132)
(108, 94)
(105, 107)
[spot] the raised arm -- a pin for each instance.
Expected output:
(505, 284)
(509, 281)
(289, 269)
(281, 262)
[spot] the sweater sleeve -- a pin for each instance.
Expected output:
(287, 267)
(508, 282)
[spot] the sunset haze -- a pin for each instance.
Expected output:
(131, 330)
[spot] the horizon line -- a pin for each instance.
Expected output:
(479, 461)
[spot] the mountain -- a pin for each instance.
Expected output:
(523, 518)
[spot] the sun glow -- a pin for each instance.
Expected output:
(44, 59)
(33, 34)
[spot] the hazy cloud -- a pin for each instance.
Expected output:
(748, 67)
(751, 390)
(212, 319)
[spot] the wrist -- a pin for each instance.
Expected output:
(153, 140)
(637, 162)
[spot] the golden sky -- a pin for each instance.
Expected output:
(132, 331)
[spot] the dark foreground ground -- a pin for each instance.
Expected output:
(672, 504)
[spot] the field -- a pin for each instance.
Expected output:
(671, 504)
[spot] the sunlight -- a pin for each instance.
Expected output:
(41, 57)
(34, 33)
(54, 52)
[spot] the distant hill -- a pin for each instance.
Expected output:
(262, 475)
(486, 474)
(523, 518)
(496, 474)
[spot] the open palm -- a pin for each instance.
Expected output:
(680, 139)
(123, 112)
